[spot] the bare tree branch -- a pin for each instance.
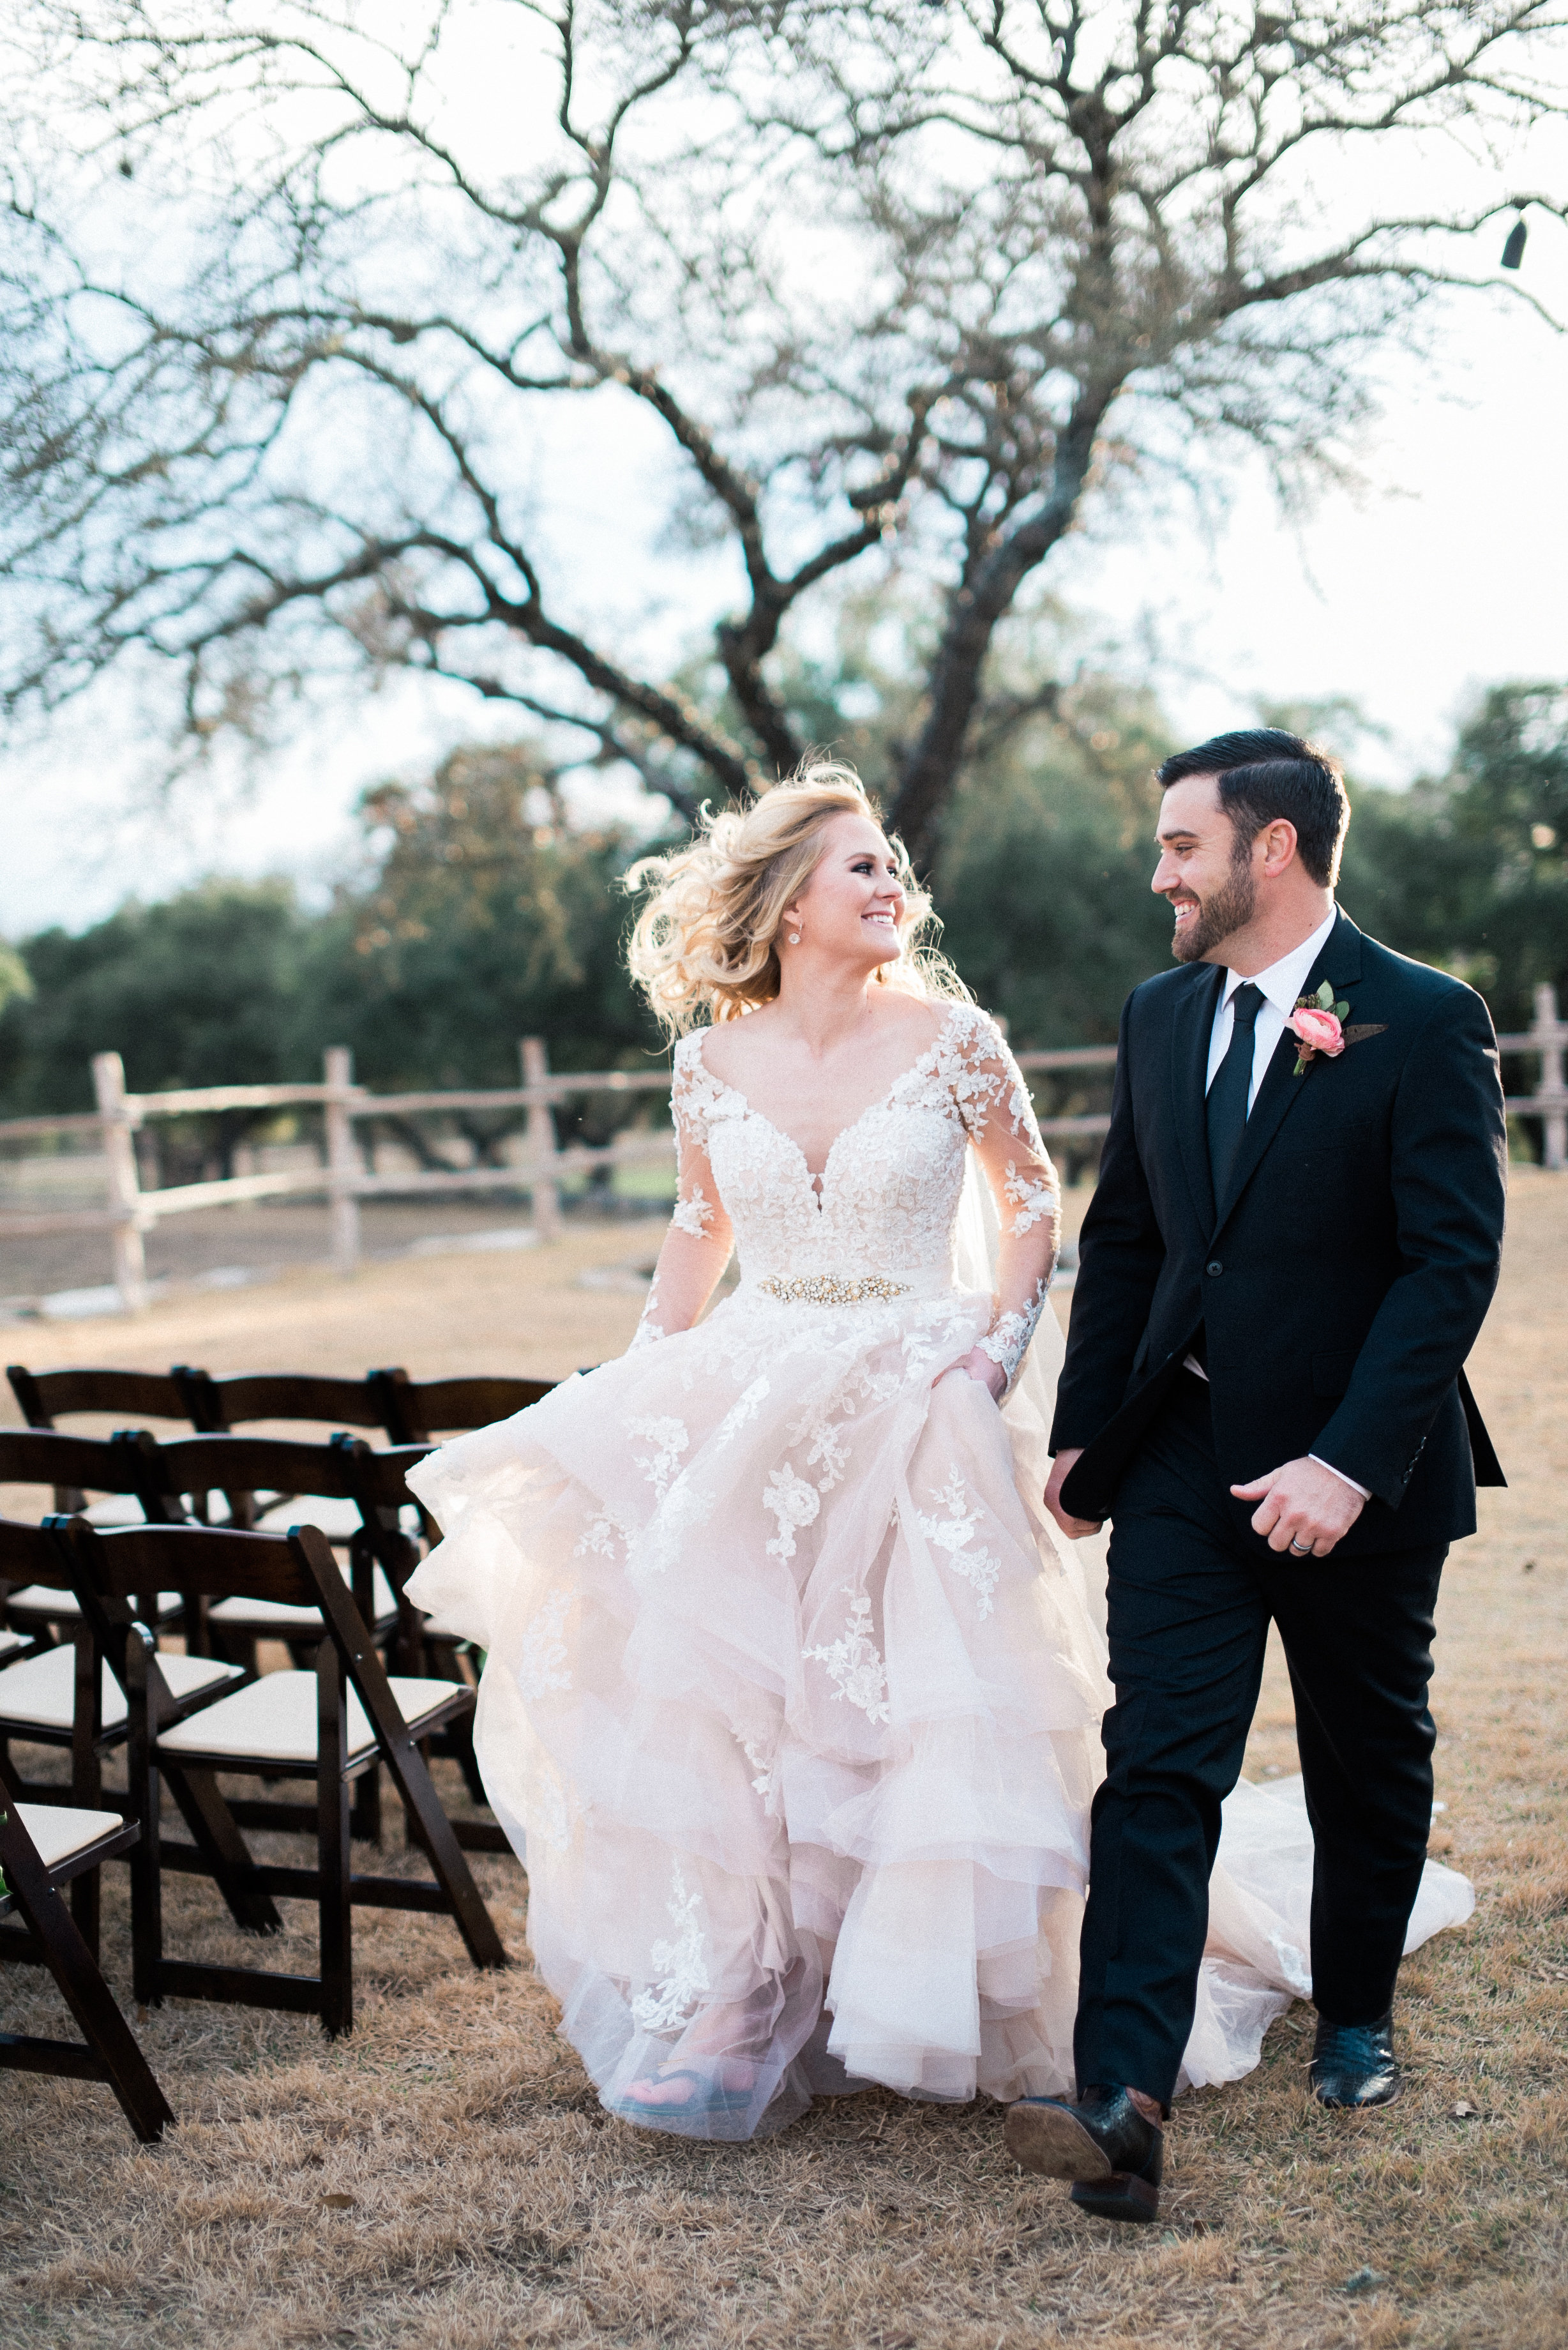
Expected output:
(846, 277)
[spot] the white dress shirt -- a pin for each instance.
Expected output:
(1280, 986)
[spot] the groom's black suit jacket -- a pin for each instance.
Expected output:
(1341, 1281)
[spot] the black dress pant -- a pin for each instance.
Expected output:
(1190, 1599)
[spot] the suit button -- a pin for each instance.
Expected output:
(1216, 1267)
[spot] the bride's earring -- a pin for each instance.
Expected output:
(794, 938)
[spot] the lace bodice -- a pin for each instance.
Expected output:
(888, 1200)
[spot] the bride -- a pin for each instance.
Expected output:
(791, 1684)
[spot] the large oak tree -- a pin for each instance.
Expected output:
(326, 347)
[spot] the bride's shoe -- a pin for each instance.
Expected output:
(707, 2095)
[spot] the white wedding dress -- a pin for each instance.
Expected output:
(793, 1692)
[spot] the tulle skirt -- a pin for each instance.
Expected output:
(792, 1699)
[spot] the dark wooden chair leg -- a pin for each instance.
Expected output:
(354, 1644)
(224, 1852)
(86, 1775)
(333, 1851)
(146, 1875)
(430, 1827)
(460, 1738)
(86, 1910)
(365, 1820)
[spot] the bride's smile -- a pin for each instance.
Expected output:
(852, 907)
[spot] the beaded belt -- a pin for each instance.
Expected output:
(832, 1289)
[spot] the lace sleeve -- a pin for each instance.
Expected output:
(697, 1246)
(999, 1117)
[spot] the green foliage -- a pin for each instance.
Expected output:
(15, 981)
(1468, 871)
(488, 920)
(1042, 881)
(203, 990)
(483, 920)
(1509, 818)
(483, 917)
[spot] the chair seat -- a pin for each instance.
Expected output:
(338, 1520)
(273, 1720)
(43, 1605)
(39, 1693)
(336, 1516)
(273, 1616)
(57, 1831)
(115, 1510)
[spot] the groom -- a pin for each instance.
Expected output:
(1291, 1246)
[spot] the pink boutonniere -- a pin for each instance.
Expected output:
(1318, 1026)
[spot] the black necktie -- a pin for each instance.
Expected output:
(1228, 1096)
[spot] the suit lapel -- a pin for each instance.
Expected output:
(1190, 1030)
(1339, 959)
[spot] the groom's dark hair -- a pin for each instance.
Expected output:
(1263, 772)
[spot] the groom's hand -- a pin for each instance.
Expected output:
(1303, 1507)
(1071, 1527)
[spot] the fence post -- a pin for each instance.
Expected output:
(342, 1161)
(124, 1191)
(1551, 1091)
(541, 1134)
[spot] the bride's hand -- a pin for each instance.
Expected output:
(978, 1365)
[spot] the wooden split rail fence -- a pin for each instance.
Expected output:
(130, 1212)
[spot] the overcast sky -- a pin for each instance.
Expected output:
(1448, 574)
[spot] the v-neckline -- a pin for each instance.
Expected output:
(816, 1182)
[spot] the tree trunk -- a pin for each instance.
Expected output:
(932, 766)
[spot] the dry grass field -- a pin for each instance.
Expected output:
(444, 2180)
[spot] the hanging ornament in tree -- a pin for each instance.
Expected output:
(1514, 251)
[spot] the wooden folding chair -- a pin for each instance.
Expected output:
(343, 1476)
(121, 1467)
(45, 1397)
(219, 1405)
(264, 1475)
(183, 1393)
(417, 1412)
(40, 1850)
(65, 1696)
(330, 1725)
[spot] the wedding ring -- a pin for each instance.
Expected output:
(1302, 1550)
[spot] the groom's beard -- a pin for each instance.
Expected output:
(1225, 911)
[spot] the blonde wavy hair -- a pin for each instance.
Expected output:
(704, 945)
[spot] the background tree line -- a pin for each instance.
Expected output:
(481, 913)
